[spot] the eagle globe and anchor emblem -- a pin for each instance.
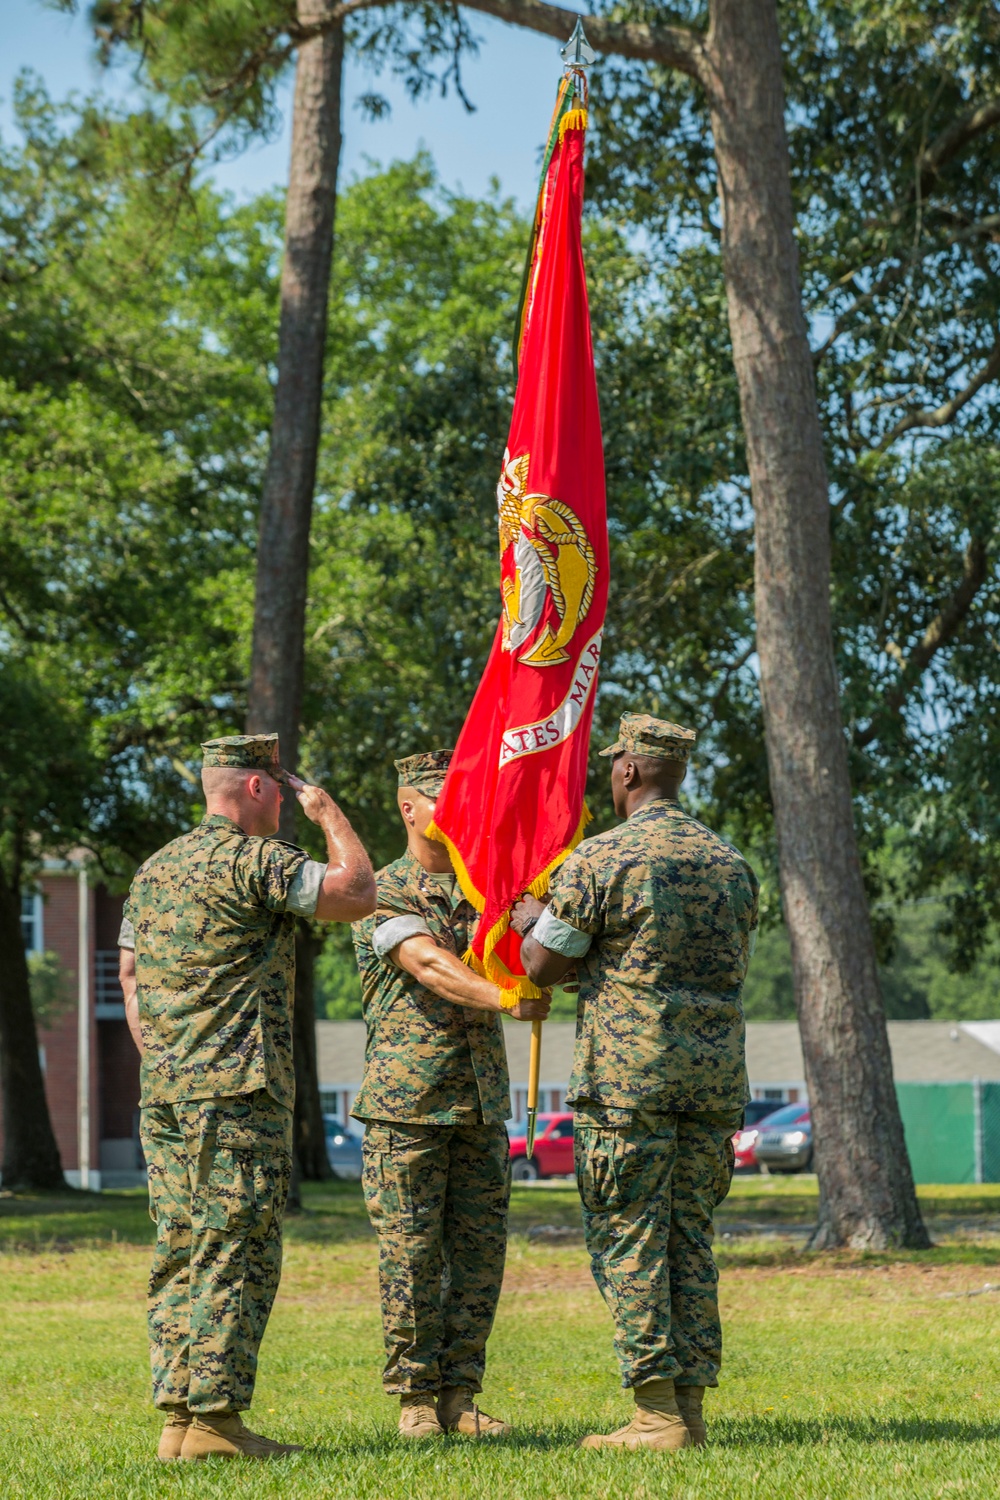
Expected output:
(551, 558)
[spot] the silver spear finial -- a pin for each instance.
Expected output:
(578, 53)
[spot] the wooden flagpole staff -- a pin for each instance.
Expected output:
(534, 1063)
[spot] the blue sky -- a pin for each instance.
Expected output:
(513, 81)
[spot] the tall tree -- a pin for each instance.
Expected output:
(867, 1192)
(276, 666)
(277, 661)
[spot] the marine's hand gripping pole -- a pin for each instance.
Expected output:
(534, 1062)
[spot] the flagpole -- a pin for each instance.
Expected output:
(534, 1063)
(577, 55)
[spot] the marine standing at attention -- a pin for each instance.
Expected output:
(435, 1099)
(658, 917)
(208, 970)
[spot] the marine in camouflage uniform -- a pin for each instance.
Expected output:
(658, 916)
(435, 1099)
(211, 921)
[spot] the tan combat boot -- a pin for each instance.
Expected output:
(657, 1423)
(174, 1430)
(418, 1418)
(222, 1435)
(458, 1412)
(689, 1399)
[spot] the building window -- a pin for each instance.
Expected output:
(31, 922)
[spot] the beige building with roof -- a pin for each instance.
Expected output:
(922, 1052)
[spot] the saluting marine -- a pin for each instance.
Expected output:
(657, 915)
(208, 968)
(435, 1099)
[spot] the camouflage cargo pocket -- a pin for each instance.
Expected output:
(393, 1159)
(230, 1191)
(595, 1159)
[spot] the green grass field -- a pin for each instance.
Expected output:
(846, 1376)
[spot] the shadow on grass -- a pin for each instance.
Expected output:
(334, 1213)
(775, 1252)
(780, 1432)
(387, 1444)
(725, 1433)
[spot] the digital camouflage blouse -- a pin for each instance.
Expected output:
(659, 913)
(427, 1060)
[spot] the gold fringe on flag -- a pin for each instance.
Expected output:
(574, 119)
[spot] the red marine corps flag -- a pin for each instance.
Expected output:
(512, 806)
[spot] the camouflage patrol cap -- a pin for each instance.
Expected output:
(643, 735)
(245, 752)
(425, 773)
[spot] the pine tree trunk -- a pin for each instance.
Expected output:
(30, 1154)
(310, 1137)
(278, 656)
(867, 1196)
(276, 668)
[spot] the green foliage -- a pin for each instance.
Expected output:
(51, 989)
(131, 433)
(337, 991)
(213, 67)
(896, 186)
(918, 979)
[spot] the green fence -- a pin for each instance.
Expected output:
(952, 1130)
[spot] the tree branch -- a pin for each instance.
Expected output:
(938, 633)
(729, 673)
(671, 46)
(943, 149)
(953, 140)
(988, 228)
(942, 415)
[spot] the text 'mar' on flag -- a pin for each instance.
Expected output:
(512, 806)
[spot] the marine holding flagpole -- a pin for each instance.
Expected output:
(658, 917)
(434, 1099)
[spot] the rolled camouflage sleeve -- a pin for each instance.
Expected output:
(126, 934)
(390, 933)
(270, 872)
(573, 917)
(560, 937)
(304, 889)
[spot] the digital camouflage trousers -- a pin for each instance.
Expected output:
(218, 1179)
(437, 1196)
(649, 1190)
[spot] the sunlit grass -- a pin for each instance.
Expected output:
(845, 1376)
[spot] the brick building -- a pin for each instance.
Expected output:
(89, 1062)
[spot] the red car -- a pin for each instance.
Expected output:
(745, 1140)
(553, 1154)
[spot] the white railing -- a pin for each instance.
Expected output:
(107, 990)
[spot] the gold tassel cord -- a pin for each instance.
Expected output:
(573, 119)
